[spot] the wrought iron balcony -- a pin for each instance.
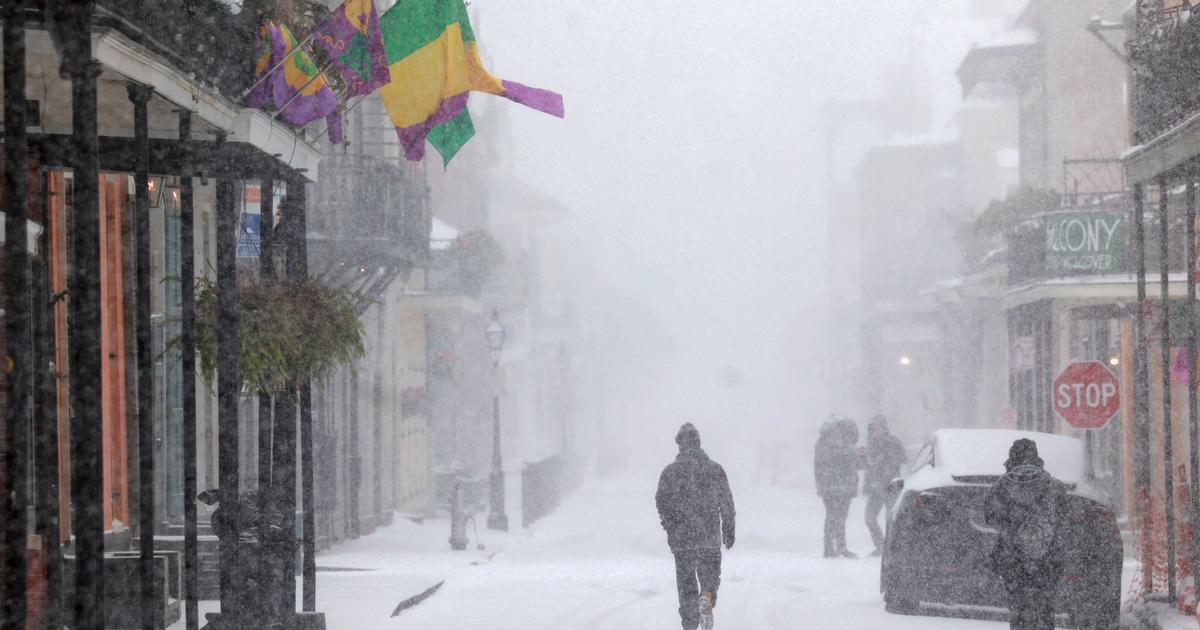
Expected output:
(1164, 52)
(1091, 236)
(370, 221)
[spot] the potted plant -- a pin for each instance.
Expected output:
(288, 332)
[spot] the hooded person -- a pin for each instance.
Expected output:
(836, 464)
(695, 506)
(1024, 507)
(884, 458)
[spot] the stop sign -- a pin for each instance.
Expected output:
(1086, 395)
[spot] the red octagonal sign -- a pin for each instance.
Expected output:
(1087, 395)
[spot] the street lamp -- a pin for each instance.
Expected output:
(497, 519)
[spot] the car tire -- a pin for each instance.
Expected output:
(1096, 621)
(900, 603)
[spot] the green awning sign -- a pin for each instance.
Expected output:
(1092, 242)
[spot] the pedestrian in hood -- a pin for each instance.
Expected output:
(836, 464)
(884, 458)
(695, 507)
(1024, 506)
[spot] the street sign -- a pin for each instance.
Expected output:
(1086, 395)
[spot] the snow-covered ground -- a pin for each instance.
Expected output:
(601, 562)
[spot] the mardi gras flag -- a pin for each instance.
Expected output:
(355, 45)
(300, 82)
(261, 94)
(295, 88)
(434, 65)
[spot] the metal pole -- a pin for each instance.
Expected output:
(320, 73)
(309, 498)
(228, 384)
(266, 272)
(355, 462)
(497, 518)
(45, 424)
(187, 287)
(275, 67)
(141, 95)
(17, 324)
(1193, 390)
(1165, 350)
(1141, 389)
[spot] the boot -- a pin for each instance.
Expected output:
(706, 610)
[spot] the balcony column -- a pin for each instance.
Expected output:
(187, 287)
(1165, 350)
(228, 385)
(297, 271)
(1141, 383)
(71, 24)
(17, 324)
(1193, 389)
(140, 95)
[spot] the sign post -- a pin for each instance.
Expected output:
(1086, 395)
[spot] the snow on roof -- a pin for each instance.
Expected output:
(1023, 36)
(937, 138)
(441, 233)
(975, 452)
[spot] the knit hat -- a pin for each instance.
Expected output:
(688, 436)
(1023, 452)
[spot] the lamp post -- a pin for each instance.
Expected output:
(497, 519)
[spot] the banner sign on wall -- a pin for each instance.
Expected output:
(1086, 242)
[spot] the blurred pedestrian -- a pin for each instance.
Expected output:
(836, 463)
(1024, 506)
(695, 506)
(884, 457)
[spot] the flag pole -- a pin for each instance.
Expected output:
(301, 90)
(275, 67)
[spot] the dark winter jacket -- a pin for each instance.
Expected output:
(885, 457)
(836, 463)
(1025, 507)
(694, 502)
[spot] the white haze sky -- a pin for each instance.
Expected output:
(692, 161)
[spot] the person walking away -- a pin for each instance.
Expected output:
(695, 506)
(884, 458)
(1024, 507)
(836, 466)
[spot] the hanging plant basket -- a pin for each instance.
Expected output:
(477, 254)
(287, 332)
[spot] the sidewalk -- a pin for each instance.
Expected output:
(361, 582)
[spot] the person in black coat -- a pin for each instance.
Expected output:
(1024, 506)
(884, 458)
(836, 463)
(695, 506)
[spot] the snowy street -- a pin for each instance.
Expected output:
(601, 562)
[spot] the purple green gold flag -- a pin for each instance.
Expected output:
(434, 65)
(299, 89)
(354, 42)
(259, 96)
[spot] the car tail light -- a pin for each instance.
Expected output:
(929, 500)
